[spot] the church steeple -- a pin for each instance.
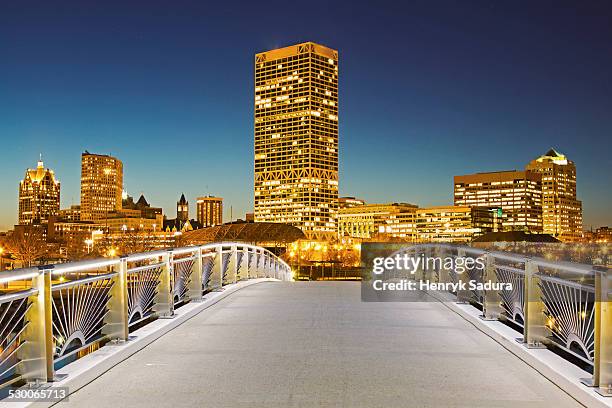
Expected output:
(182, 209)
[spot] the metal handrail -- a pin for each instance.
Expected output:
(83, 281)
(111, 298)
(10, 297)
(554, 311)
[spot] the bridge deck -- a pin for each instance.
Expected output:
(316, 344)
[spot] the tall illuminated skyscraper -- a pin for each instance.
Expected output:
(39, 196)
(561, 210)
(101, 186)
(296, 138)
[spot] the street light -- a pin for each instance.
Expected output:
(1, 259)
(89, 243)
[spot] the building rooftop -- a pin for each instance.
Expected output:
(252, 232)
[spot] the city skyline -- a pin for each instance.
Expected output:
(416, 115)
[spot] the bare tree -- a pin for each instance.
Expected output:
(131, 242)
(27, 245)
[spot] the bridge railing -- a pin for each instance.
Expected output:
(552, 304)
(52, 315)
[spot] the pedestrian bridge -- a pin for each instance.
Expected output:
(263, 340)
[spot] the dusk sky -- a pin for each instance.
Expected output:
(428, 90)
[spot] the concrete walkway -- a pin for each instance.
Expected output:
(315, 344)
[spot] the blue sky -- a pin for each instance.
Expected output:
(428, 90)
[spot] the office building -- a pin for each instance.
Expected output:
(296, 138)
(101, 186)
(561, 210)
(452, 223)
(39, 196)
(515, 195)
(364, 221)
(73, 213)
(209, 211)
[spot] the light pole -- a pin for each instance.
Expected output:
(89, 243)
(1, 259)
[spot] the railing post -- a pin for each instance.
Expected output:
(443, 273)
(253, 263)
(116, 321)
(418, 273)
(232, 268)
(261, 262)
(244, 264)
(534, 329)
(36, 355)
(602, 369)
(216, 276)
(264, 264)
(491, 303)
(195, 284)
(269, 266)
(164, 300)
(428, 274)
(463, 295)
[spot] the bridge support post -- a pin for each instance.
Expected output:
(164, 300)
(195, 283)
(491, 302)
(116, 321)
(534, 330)
(36, 354)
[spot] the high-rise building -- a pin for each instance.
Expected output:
(561, 210)
(101, 186)
(210, 211)
(296, 138)
(182, 209)
(516, 195)
(39, 196)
